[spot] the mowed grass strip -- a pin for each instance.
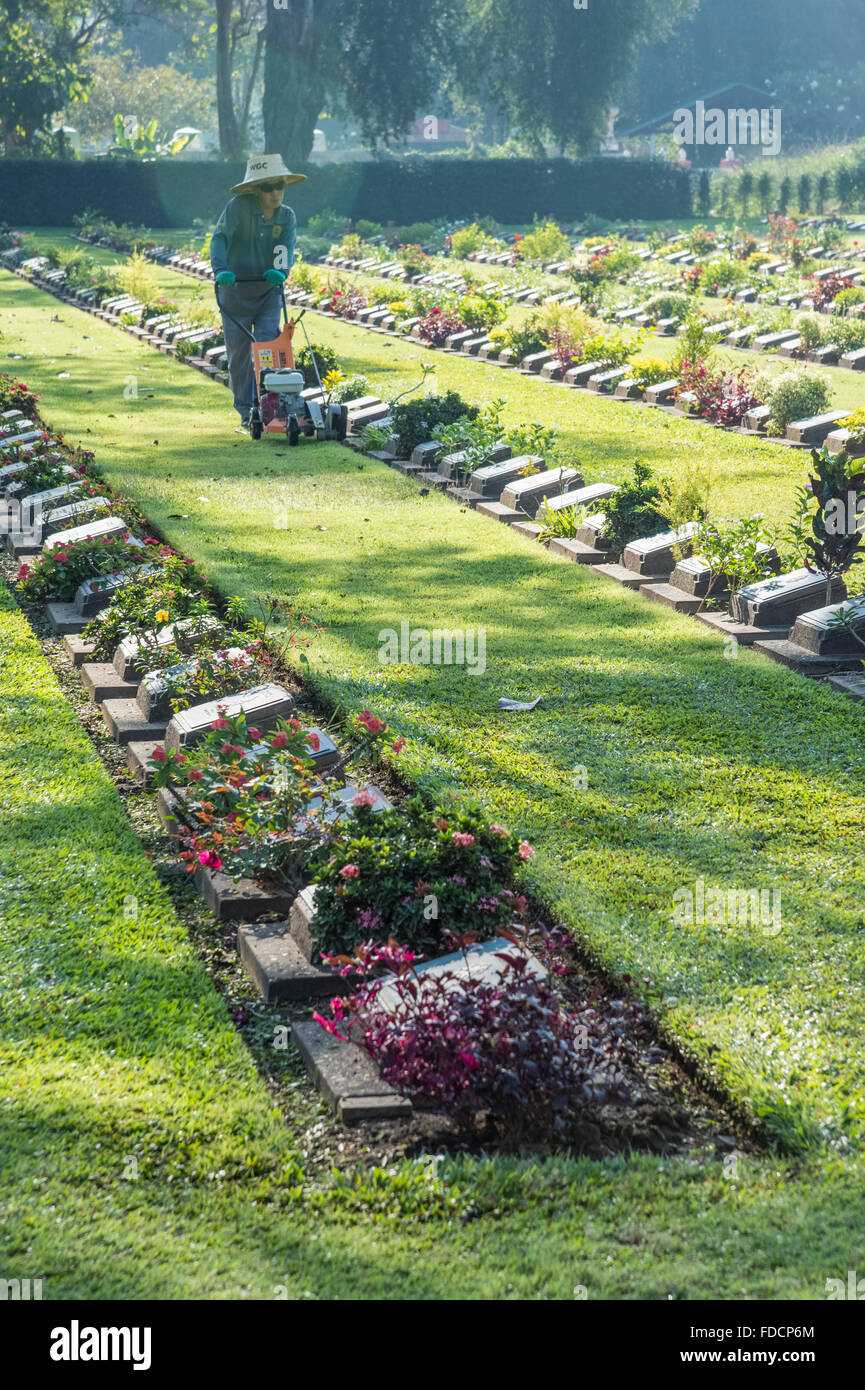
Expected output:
(736, 772)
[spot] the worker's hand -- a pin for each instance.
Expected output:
(275, 277)
(226, 277)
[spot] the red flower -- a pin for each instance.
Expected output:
(210, 859)
(61, 555)
(219, 724)
(349, 871)
(399, 745)
(371, 723)
(253, 733)
(279, 740)
(158, 755)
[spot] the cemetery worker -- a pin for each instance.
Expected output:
(253, 240)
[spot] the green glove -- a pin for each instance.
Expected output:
(275, 277)
(226, 277)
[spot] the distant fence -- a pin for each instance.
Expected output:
(168, 194)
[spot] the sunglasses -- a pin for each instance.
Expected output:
(270, 187)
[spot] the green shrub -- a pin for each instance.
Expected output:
(414, 421)
(366, 230)
(415, 234)
(412, 873)
(545, 242)
(467, 239)
(668, 306)
(327, 360)
(649, 371)
(795, 395)
(635, 508)
(849, 299)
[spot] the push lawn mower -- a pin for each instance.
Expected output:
(280, 405)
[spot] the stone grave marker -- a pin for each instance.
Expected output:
(264, 705)
(488, 483)
(653, 555)
(777, 602)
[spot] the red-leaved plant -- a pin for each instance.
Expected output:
(725, 398)
(436, 327)
(503, 1046)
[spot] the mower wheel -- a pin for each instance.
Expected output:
(255, 429)
(293, 432)
(341, 422)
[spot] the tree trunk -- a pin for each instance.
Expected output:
(300, 41)
(229, 136)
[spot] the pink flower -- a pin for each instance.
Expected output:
(349, 871)
(462, 837)
(158, 755)
(525, 850)
(372, 724)
(364, 798)
(313, 741)
(210, 859)
(219, 724)
(196, 776)
(61, 555)
(253, 733)
(279, 740)
(496, 829)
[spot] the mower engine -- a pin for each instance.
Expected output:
(286, 385)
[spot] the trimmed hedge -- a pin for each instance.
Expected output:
(172, 194)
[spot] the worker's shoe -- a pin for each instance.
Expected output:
(242, 428)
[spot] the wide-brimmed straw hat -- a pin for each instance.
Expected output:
(265, 168)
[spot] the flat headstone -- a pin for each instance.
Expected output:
(766, 341)
(525, 493)
(606, 381)
(90, 530)
(779, 601)
(264, 705)
(153, 697)
(654, 554)
(490, 481)
(479, 962)
(661, 392)
(572, 548)
(577, 497)
(95, 594)
(758, 418)
(130, 657)
(58, 518)
(818, 632)
(815, 428)
(854, 361)
(693, 576)
(740, 337)
(578, 376)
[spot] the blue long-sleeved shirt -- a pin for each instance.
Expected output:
(248, 243)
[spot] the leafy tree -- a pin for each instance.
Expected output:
(38, 75)
(236, 22)
(838, 483)
(553, 68)
(357, 58)
(746, 190)
(803, 194)
(765, 191)
(121, 85)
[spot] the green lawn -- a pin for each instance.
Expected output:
(698, 766)
(142, 1157)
